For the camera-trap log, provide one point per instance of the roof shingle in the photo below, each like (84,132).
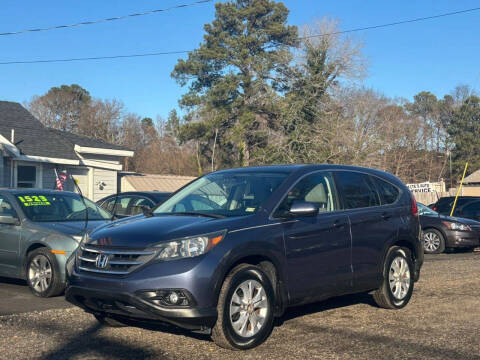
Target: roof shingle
(34,139)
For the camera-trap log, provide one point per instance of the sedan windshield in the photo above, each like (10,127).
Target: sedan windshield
(53,207)
(424,210)
(223,194)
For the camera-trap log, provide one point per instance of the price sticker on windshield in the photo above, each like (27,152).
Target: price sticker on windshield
(34,200)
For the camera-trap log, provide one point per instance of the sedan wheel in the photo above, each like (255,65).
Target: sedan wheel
(433,242)
(42,273)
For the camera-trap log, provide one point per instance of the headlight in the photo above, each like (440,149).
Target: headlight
(456,226)
(189,247)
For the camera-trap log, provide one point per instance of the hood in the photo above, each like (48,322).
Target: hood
(71,228)
(459,220)
(141,231)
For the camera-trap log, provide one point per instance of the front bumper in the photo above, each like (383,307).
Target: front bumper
(462,239)
(121,295)
(129,305)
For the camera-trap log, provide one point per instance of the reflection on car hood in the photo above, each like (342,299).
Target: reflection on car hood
(71,228)
(459,220)
(142,231)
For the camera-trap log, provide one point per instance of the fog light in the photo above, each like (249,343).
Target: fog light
(173,297)
(167,297)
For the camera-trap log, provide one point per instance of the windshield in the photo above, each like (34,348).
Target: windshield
(424,210)
(58,207)
(224,194)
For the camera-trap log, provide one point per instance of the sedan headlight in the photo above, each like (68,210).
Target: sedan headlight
(189,247)
(456,226)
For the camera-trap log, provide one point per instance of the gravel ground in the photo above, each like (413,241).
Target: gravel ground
(441,322)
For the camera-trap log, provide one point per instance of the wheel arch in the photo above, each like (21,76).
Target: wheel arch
(270,265)
(32,247)
(400,243)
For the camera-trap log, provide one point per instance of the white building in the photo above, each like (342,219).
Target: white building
(30,153)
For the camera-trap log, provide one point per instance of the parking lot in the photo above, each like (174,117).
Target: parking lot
(441,322)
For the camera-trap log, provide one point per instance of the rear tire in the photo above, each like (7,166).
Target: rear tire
(433,242)
(42,273)
(245,309)
(397,285)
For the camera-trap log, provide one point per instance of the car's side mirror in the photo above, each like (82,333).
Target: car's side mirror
(304,208)
(146,210)
(8,220)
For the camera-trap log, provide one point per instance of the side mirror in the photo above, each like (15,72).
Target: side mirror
(8,220)
(304,208)
(147,211)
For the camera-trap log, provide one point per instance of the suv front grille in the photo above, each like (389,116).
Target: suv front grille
(114,261)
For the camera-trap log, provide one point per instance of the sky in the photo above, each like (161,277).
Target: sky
(434,55)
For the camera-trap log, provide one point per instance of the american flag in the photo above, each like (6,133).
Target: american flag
(61,178)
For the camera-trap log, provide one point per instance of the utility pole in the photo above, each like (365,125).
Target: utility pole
(450,156)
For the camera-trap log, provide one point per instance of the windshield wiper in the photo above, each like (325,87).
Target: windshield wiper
(195,213)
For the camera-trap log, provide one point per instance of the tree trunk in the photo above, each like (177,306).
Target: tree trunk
(199,163)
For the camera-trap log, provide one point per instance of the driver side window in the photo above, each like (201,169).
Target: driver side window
(317,188)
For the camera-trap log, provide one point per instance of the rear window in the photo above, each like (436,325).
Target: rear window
(357,190)
(388,192)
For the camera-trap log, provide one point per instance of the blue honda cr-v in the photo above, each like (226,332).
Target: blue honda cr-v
(231,250)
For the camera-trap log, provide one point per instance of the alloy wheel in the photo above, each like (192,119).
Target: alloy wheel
(248,308)
(431,241)
(399,278)
(40,273)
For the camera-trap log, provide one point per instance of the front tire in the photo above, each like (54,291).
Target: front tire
(433,242)
(43,276)
(397,286)
(245,309)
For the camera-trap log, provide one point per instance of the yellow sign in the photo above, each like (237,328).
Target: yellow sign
(34,200)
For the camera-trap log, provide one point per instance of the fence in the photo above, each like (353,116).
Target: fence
(428,198)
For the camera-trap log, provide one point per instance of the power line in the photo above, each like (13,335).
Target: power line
(91,22)
(94,58)
(186,51)
(394,23)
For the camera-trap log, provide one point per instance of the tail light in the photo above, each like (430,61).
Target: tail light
(434,208)
(414,205)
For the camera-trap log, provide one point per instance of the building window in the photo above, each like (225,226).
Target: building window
(26,176)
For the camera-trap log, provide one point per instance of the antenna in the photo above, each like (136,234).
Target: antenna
(83,200)
(114,209)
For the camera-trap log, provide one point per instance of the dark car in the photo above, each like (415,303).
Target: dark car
(442,232)
(470,210)
(256,241)
(444,205)
(132,203)
(39,230)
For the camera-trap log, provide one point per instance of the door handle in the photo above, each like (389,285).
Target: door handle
(386,216)
(339,224)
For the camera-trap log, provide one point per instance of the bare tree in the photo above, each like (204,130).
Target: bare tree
(61,107)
